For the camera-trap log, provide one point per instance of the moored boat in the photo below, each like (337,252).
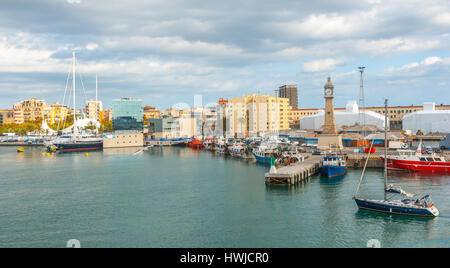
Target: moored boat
(416,161)
(196,144)
(264,154)
(75,142)
(239,150)
(334,166)
(423,207)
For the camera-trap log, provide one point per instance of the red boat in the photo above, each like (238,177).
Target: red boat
(416,161)
(196,144)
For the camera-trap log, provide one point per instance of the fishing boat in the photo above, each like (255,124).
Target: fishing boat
(76,142)
(412,207)
(417,161)
(221,146)
(239,150)
(264,154)
(196,144)
(334,166)
(209,144)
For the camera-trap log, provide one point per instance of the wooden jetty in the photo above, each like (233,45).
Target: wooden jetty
(296,173)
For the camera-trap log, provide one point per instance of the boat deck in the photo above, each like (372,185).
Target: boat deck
(296,173)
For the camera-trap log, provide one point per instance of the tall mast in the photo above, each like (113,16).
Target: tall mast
(74,94)
(385,149)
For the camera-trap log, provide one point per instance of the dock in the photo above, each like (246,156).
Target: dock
(296,173)
(21,144)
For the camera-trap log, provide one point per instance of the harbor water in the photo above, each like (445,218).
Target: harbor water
(178,197)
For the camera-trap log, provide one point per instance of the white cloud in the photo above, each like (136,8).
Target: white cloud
(322,65)
(92,46)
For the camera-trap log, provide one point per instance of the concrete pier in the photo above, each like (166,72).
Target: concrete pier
(294,174)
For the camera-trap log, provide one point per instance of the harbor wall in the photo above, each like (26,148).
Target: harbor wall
(123,140)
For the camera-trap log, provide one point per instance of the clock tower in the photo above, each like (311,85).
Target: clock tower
(330,125)
(329,139)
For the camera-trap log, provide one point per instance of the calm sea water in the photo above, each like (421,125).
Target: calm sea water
(175,197)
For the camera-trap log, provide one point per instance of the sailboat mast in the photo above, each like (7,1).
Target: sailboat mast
(385,149)
(74,94)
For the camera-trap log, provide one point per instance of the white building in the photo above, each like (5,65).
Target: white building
(93,109)
(429,120)
(349,117)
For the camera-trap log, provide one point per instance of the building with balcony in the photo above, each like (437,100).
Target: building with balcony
(28,111)
(94,109)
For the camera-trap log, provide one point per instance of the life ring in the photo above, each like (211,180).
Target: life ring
(405,146)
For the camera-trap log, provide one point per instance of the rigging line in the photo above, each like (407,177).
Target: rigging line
(70,99)
(82,84)
(64,98)
(364,170)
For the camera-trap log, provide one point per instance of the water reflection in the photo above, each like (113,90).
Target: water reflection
(120,151)
(288,190)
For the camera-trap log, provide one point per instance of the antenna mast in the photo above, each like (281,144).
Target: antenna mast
(362,105)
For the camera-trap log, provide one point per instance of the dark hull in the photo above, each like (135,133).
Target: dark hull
(80,147)
(262,159)
(333,171)
(392,209)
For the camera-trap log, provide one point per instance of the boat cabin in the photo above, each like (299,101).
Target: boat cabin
(334,161)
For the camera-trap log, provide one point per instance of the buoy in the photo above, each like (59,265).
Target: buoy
(20,150)
(48,154)
(87,154)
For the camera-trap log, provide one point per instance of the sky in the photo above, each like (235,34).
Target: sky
(165,52)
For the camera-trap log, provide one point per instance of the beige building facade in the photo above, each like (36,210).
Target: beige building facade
(56,112)
(94,110)
(6,117)
(28,111)
(123,140)
(256,115)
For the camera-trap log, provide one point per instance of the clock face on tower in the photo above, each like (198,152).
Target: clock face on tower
(328,92)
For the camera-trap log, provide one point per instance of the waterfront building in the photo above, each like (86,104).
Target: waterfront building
(28,111)
(128,115)
(429,120)
(6,117)
(290,92)
(395,113)
(128,124)
(256,115)
(172,112)
(93,110)
(123,140)
(295,115)
(56,112)
(347,117)
(152,112)
(105,116)
(18,117)
(164,128)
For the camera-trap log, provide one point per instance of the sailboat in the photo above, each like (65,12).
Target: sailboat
(76,142)
(409,206)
